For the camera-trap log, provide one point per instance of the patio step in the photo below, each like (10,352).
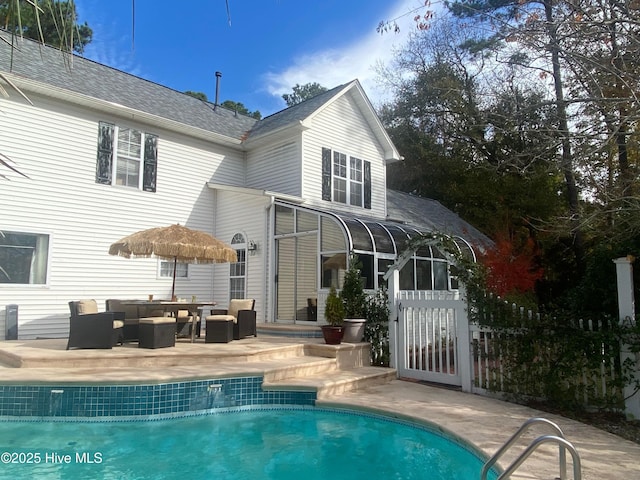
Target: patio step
(327,384)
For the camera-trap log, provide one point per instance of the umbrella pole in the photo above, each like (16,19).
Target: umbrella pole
(173,286)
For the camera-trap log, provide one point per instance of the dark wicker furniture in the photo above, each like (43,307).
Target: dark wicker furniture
(243,315)
(89,328)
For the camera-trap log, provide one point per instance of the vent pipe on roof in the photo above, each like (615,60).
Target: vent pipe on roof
(218,76)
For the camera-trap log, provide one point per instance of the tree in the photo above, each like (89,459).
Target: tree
(240,108)
(303,92)
(48,21)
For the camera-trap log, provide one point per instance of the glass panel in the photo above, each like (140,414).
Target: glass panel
(399,237)
(285,284)
(166,269)
(129,142)
(339,190)
(284,220)
(237,238)
(355,194)
(440,276)
(236,288)
(306,222)
(237,269)
(367,272)
(406,276)
(306,289)
(339,164)
(423,275)
(333,268)
(359,235)
(465,250)
(127,172)
(23,257)
(383,266)
(381,237)
(332,235)
(437,253)
(355,169)
(424,252)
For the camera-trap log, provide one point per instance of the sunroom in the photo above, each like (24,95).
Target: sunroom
(312,248)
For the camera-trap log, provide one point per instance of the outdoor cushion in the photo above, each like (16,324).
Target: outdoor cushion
(87,306)
(130,310)
(157,320)
(222,318)
(236,305)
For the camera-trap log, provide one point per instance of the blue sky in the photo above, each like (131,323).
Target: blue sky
(270,46)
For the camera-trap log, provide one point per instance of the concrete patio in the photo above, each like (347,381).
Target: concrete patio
(340,379)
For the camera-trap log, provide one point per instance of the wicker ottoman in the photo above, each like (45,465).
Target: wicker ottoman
(219,331)
(157,332)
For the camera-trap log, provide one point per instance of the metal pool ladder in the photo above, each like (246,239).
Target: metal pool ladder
(558,438)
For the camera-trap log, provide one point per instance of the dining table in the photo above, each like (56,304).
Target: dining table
(194,309)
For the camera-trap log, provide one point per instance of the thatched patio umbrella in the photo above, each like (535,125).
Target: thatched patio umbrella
(177,243)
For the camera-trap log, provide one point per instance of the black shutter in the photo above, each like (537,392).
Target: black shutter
(150,162)
(326,174)
(104,164)
(367,184)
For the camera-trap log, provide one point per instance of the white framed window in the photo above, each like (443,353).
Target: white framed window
(23,258)
(129,158)
(238,270)
(126,157)
(346,179)
(165,269)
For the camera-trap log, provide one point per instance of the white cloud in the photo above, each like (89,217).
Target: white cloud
(342,64)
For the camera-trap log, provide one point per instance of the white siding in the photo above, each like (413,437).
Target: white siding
(246,214)
(341,126)
(56,147)
(276,168)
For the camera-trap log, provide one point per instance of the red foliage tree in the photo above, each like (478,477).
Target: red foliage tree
(511,269)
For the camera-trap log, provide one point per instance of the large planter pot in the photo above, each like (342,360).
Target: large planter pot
(353,330)
(332,335)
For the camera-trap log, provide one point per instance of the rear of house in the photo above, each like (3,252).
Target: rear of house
(104,154)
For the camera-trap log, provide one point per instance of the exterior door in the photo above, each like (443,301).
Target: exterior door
(296,278)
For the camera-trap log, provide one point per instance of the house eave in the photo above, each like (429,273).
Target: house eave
(112,108)
(256,192)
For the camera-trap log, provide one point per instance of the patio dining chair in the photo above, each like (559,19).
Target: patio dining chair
(241,312)
(89,328)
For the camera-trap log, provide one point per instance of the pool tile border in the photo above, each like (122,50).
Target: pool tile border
(142,400)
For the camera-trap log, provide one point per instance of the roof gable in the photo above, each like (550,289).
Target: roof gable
(303,114)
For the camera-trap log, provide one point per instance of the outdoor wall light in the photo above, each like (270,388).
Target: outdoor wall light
(252,246)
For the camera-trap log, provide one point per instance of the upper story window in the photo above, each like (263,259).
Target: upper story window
(346,179)
(23,257)
(126,157)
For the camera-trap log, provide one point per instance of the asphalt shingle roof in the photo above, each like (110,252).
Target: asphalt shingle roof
(431,216)
(77,74)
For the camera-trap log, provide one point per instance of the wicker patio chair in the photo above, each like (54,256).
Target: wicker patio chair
(131,317)
(89,328)
(241,313)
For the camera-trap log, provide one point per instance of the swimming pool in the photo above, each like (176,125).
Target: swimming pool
(259,442)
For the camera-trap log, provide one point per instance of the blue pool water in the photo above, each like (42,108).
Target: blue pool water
(258,443)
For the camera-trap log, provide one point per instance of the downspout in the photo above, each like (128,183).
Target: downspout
(269,297)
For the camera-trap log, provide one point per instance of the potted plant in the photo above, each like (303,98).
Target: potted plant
(355,302)
(334,314)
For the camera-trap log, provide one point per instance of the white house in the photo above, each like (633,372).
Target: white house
(104,154)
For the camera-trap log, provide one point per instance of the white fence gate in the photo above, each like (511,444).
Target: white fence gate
(430,338)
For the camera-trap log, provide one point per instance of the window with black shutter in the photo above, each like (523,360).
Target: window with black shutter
(126,157)
(345,179)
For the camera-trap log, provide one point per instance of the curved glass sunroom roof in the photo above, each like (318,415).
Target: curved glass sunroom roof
(391,238)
